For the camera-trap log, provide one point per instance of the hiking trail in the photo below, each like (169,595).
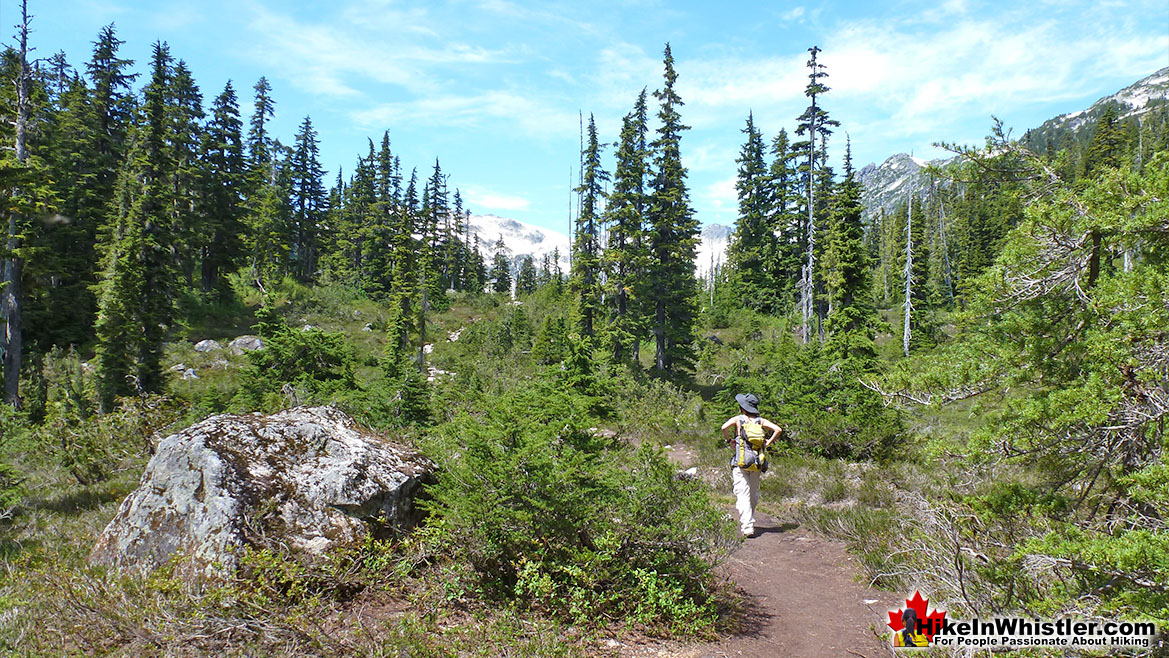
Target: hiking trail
(802,594)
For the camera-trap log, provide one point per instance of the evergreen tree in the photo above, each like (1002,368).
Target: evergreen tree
(500,274)
(1109,142)
(137,289)
(525,283)
(586,260)
(438,237)
(753,242)
(785,222)
(814,122)
(61,303)
(625,258)
(225,185)
(268,240)
(259,142)
(308,201)
(113,105)
(672,238)
(917,330)
(851,323)
(185,115)
(477,268)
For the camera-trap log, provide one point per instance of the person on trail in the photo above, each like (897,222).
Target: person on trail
(750,456)
(910,635)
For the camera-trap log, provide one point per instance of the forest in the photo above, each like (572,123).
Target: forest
(973,386)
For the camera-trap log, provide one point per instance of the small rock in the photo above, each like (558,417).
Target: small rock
(245,343)
(190,373)
(428,348)
(454,335)
(433,373)
(688,474)
(307,327)
(207,346)
(219,363)
(367,327)
(178,367)
(714,339)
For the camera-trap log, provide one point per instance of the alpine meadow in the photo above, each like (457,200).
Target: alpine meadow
(258,405)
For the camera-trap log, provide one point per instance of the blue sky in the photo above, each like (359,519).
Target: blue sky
(493,87)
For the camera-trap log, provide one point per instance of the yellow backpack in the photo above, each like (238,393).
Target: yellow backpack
(750,451)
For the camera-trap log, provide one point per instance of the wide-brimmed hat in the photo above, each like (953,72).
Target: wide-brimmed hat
(748,402)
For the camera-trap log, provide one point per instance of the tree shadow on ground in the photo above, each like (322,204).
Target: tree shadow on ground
(748,618)
(778,528)
(79,500)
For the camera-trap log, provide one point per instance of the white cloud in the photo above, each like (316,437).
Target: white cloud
(371,41)
(795,13)
(482,198)
(918,75)
(722,197)
(710,156)
(622,71)
(532,116)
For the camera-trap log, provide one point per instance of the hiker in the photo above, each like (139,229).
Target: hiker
(910,636)
(750,457)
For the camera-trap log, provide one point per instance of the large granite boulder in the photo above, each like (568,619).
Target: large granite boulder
(307,478)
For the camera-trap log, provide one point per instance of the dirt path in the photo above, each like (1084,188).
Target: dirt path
(803,598)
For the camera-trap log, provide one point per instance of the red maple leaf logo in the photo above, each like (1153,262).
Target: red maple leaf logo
(929,623)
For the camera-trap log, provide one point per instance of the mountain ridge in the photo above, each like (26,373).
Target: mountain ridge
(887,185)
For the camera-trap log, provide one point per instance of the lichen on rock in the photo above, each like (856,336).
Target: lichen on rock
(307,478)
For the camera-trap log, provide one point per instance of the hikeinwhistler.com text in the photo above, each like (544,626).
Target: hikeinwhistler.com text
(1021,632)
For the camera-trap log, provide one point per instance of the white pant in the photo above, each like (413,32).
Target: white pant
(746,488)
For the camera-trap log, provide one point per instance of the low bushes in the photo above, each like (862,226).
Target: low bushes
(551,516)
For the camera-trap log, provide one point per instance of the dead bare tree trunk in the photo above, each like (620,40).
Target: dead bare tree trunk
(908,276)
(807,302)
(10,300)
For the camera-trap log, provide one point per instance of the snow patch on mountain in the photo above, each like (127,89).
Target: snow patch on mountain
(519,239)
(893,182)
(1138,98)
(712,249)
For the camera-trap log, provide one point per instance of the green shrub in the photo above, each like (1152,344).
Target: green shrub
(820,402)
(90,447)
(12,432)
(550,515)
(311,361)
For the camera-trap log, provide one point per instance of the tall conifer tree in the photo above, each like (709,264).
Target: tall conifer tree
(625,258)
(851,324)
(814,123)
(672,238)
(308,201)
(137,291)
(225,184)
(752,243)
(785,222)
(586,261)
